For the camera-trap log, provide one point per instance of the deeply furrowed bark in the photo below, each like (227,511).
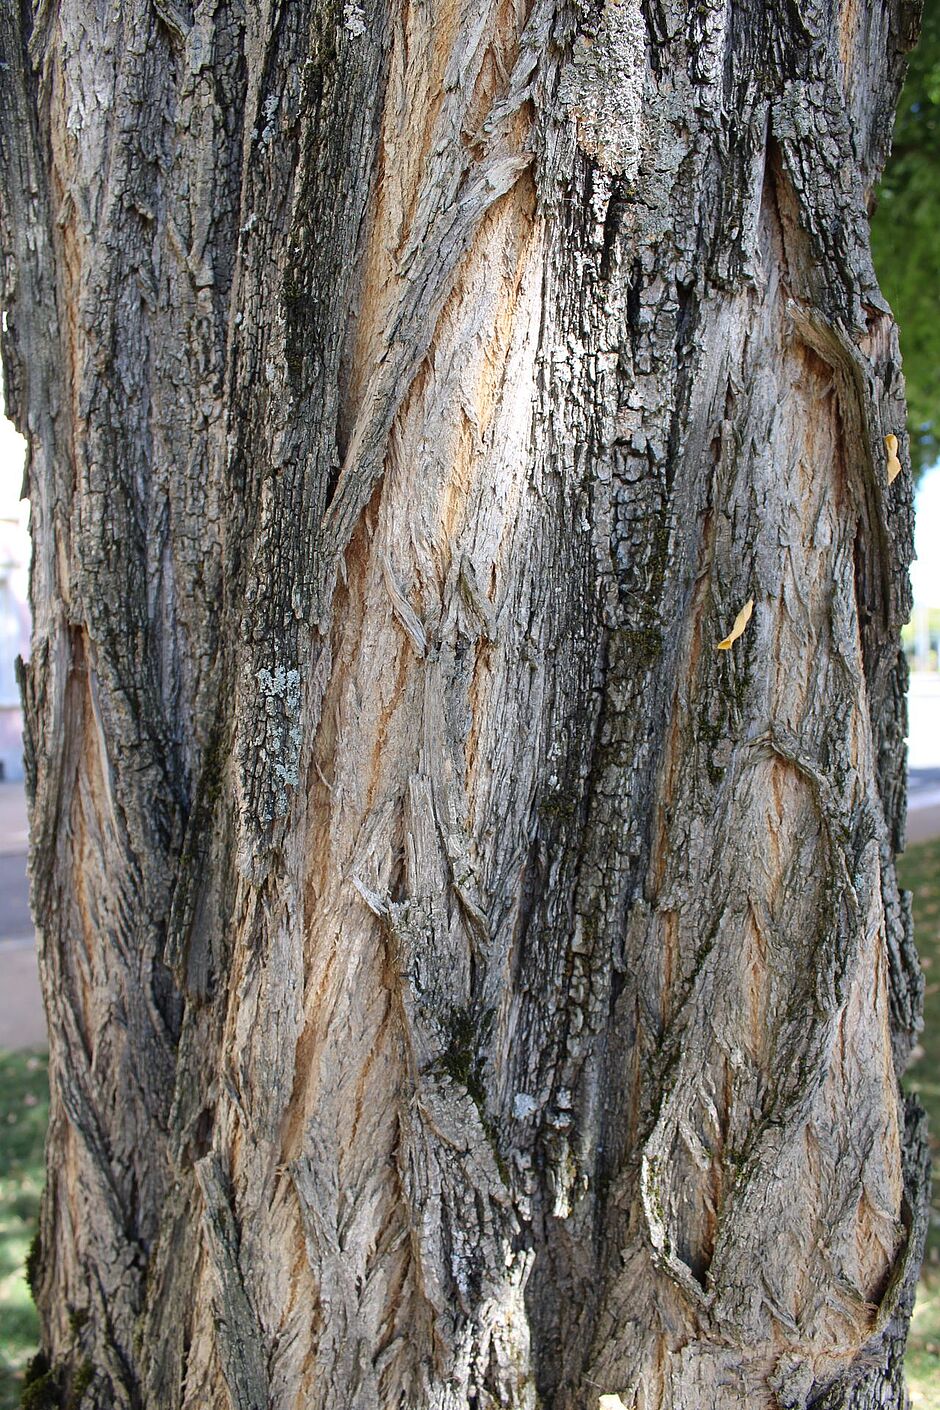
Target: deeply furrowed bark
(467,987)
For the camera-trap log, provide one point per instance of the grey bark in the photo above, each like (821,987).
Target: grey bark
(467,986)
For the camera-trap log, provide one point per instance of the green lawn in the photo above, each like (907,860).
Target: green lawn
(24,1109)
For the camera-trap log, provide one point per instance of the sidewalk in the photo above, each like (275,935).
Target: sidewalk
(923,805)
(22,1024)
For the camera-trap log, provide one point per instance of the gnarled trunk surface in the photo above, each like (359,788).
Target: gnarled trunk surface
(467,986)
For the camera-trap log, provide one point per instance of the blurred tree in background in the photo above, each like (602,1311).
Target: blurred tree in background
(906,238)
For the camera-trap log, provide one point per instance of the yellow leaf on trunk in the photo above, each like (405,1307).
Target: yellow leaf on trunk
(740,622)
(894,464)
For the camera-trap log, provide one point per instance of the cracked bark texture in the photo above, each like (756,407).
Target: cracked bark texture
(466,986)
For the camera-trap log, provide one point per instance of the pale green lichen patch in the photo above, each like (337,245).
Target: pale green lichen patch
(280,690)
(602,87)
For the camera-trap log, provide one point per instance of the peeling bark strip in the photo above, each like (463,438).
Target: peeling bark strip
(467,986)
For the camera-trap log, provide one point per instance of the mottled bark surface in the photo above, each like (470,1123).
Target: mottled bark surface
(467,986)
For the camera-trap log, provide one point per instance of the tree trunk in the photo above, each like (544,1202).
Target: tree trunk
(467,986)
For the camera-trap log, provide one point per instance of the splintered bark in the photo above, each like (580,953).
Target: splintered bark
(467,986)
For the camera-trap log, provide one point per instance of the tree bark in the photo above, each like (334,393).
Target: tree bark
(467,986)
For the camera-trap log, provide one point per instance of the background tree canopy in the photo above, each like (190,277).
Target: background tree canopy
(906,238)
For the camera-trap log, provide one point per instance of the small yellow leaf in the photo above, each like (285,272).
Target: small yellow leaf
(610,1402)
(894,464)
(740,622)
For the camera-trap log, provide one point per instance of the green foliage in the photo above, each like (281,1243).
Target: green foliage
(905,235)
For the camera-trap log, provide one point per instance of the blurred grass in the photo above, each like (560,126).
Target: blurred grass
(24,1111)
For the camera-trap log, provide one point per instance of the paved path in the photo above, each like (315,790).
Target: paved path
(923,805)
(22,1024)
(21,1018)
